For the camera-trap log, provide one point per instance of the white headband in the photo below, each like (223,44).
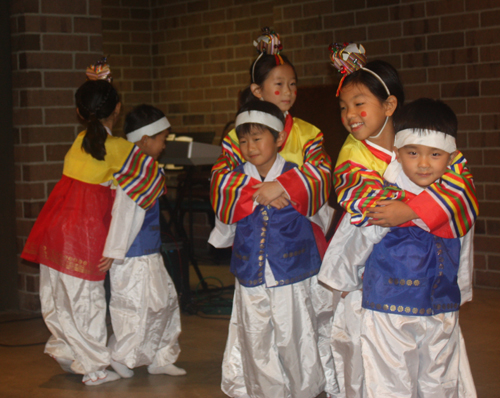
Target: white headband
(261,118)
(149,130)
(430,138)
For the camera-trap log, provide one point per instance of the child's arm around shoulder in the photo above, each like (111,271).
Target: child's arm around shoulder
(308,186)
(358,180)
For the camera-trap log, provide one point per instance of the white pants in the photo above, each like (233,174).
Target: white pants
(74,311)
(346,345)
(272,346)
(412,356)
(144,312)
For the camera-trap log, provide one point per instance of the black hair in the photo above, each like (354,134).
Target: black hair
(387,73)
(263,106)
(96,100)
(427,114)
(261,68)
(141,116)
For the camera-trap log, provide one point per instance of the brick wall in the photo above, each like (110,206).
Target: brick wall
(52,43)
(190,58)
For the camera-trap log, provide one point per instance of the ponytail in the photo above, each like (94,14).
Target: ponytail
(96,100)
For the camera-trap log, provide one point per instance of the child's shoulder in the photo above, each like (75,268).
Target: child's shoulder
(304,126)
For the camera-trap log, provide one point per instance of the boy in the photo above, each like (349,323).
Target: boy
(272,347)
(144,307)
(414,282)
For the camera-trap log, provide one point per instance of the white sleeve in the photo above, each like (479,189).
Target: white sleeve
(323,217)
(126,222)
(347,253)
(466,266)
(222,235)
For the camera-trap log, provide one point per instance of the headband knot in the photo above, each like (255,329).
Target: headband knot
(100,71)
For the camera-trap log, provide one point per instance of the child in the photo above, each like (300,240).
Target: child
(414,282)
(370,95)
(307,187)
(272,347)
(144,307)
(273,79)
(69,235)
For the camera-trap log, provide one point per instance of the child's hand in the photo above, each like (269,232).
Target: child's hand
(105,264)
(280,203)
(390,213)
(267,192)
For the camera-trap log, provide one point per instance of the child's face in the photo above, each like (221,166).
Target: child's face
(423,164)
(260,148)
(153,146)
(362,113)
(280,87)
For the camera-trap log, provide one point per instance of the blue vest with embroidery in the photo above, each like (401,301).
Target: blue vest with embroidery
(148,240)
(412,272)
(284,237)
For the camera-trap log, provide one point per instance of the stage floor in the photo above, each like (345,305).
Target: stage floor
(26,372)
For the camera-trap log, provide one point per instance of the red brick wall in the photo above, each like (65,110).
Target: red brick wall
(52,43)
(190,58)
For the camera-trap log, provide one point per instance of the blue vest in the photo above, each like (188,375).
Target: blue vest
(284,237)
(148,240)
(412,272)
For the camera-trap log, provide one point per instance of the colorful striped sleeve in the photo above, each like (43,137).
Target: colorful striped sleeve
(141,178)
(358,188)
(230,191)
(309,185)
(453,200)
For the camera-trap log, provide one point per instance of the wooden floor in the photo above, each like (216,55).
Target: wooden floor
(26,372)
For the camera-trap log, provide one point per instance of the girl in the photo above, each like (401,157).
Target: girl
(369,95)
(273,79)
(272,347)
(69,234)
(144,307)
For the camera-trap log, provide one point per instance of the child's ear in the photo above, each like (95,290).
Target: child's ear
(396,151)
(256,90)
(452,156)
(390,105)
(281,138)
(144,140)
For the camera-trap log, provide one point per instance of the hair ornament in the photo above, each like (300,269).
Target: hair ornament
(268,43)
(100,71)
(349,58)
